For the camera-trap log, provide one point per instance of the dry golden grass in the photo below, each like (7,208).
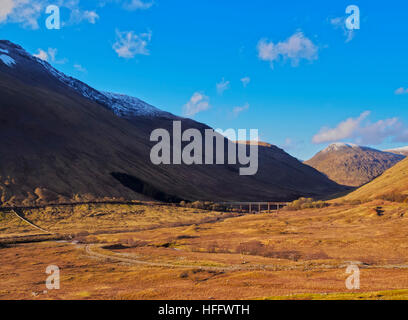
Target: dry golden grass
(394,180)
(104,218)
(178,253)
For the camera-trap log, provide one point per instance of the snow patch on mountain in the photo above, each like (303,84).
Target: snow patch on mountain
(122,105)
(399,149)
(351,146)
(4,51)
(340,145)
(75,84)
(7,60)
(126,106)
(402,151)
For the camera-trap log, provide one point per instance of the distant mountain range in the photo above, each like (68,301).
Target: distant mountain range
(352,165)
(64,141)
(403,151)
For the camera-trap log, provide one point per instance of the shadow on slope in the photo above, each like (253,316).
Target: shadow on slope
(142,187)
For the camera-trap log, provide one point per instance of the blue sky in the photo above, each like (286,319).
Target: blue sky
(309,80)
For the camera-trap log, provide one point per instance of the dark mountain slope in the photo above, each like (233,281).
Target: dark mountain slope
(63,141)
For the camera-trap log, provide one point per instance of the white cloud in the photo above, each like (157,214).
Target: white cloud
(197,103)
(78,16)
(295,48)
(138,5)
(237,110)
(344,130)
(28,12)
(50,55)
(222,86)
(363,132)
(128,44)
(79,68)
(340,23)
(402,136)
(377,132)
(401,90)
(245,81)
(24,12)
(130,5)
(6,8)
(52,52)
(41,55)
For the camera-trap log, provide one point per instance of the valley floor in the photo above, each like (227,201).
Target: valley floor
(151,251)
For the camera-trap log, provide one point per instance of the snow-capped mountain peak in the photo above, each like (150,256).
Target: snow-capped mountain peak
(339,146)
(342,146)
(122,105)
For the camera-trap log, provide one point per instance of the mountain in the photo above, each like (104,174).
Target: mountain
(352,165)
(391,185)
(403,151)
(62,140)
(127,107)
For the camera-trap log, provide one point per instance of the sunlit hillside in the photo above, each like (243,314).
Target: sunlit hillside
(391,185)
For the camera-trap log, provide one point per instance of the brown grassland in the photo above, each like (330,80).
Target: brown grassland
(153,251)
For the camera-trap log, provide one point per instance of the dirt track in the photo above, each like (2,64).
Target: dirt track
(118,257)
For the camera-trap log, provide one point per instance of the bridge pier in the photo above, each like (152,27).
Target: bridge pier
(249,206)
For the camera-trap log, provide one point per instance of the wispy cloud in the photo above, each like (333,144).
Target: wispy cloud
(295,48)
(362,131)
(22,12)
(222,86)
(401,90)
(197,103)
(28,12)
(237,110)
(41,55)
(6,8)
(375,133)
(78,16)
(138,5)
(245,81)
(291,144)
(50,55)
(344,130)
(79,68)
(128,44)
(52,52)
(340,23)
(129,5)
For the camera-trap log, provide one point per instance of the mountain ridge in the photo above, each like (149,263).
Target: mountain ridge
(403,151)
